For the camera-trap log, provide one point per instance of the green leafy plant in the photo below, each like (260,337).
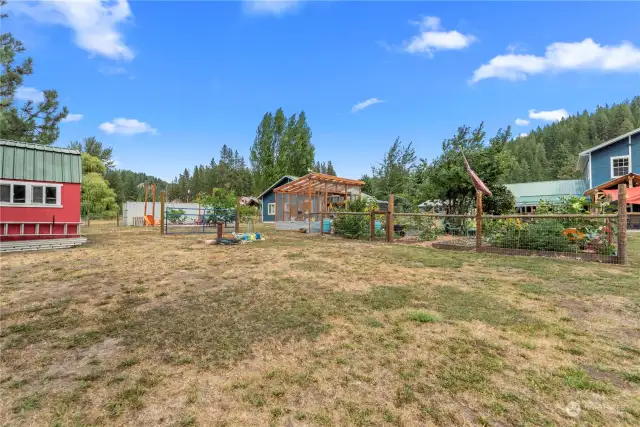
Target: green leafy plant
(175,216)
(352,226)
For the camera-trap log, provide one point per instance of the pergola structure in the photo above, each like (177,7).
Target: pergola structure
(597,193)
(309,195)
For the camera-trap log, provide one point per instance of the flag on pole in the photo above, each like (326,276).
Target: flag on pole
(477,182)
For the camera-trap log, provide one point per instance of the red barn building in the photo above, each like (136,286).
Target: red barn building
(39,191)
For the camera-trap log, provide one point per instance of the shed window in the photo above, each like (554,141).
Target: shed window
(19,193)
(51,194)
(271,209)
(36,195)
(619,166)
(5,193)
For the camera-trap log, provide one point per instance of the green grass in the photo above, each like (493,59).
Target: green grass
(423,317)
(578,379)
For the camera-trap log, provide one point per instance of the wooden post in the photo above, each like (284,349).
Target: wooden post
(237,214)
(372,224)
(390,218)
(153,204)
(289,203)
(117,218)
(162,211)
(622,224)
(310,205)
(346,195)
(478,220)
(145,200)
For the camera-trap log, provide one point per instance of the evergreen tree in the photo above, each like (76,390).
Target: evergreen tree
(93,147)
(330,169)
(29,121)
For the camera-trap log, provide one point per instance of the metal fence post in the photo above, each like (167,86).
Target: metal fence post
(478,220)
(622,224)
(390,218)
(162,213)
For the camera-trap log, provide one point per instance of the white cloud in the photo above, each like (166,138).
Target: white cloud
(558,57)
(32,94)
(522,122)
(270,7)
(124,126)
(433,37)
(73,118)
(522,135)
(94,22)
(549,116)
(364,104)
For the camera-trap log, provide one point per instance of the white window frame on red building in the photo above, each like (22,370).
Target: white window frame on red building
(29,194)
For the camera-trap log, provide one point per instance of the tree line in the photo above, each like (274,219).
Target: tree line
(551,152)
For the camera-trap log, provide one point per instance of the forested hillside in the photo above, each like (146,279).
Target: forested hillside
(230,172)
(552,152)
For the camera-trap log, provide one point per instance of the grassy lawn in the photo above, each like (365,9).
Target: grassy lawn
(135,329)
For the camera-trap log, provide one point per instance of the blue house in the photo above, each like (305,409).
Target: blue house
(611,160)
(268,198)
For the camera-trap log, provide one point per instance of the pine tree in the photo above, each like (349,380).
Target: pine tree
(30,121)
(330,169)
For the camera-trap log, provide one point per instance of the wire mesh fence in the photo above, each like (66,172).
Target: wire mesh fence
(589,237)
(355,225)
(456,230)
(199,220)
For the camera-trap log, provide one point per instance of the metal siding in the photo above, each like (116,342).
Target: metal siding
(29,163)
(38,166)
(7,170)
(66,168)
(18,164)
(76,169)
(57,168)
(48,166)
(20,160)
(601,166)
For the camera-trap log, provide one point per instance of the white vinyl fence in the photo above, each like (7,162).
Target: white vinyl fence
(133,212)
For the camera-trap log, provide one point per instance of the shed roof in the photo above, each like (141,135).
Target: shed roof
(530,193)
(275,184)
(36,162)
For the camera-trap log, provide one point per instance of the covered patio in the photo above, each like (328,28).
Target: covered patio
(609,190)
(300,202)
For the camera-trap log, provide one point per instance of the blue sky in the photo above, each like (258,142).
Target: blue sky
(167,83)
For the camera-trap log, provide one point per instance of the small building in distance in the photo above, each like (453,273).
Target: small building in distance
(529,194)
(39,191)
(268,198)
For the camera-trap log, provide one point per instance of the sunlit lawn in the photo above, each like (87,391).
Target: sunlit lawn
(136,329)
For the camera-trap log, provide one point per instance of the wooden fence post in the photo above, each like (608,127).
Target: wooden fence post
(622,224)
(237,228)
(390,218)
(162,211)
(372,224)
(478,220)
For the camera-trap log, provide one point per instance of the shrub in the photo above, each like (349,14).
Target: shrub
(174,216)
(353,226)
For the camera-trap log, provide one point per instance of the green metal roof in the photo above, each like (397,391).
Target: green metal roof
(530,193)
(36,162)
